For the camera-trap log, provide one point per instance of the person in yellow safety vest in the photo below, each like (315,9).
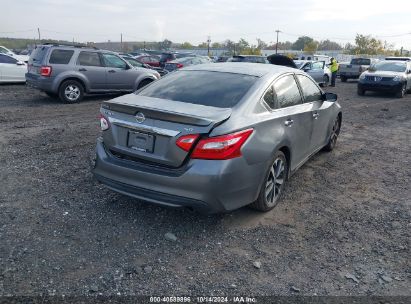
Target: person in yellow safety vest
(334,68)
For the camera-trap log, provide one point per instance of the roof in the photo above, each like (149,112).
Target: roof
(245,68)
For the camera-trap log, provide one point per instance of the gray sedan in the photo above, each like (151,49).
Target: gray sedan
(215,137)
(318,70)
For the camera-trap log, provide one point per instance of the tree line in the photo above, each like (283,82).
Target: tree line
(364,44)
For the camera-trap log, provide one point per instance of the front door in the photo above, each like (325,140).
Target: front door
(320,111)
(293,117)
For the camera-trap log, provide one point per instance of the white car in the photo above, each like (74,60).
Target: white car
(6,51)
(11,69)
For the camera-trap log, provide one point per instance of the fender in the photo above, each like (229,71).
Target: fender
(70,74)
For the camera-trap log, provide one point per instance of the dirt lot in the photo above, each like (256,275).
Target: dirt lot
(343,227)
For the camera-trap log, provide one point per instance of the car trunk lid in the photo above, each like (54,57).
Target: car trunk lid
(146,129)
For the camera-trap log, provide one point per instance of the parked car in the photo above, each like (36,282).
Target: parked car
(6,51)
(248,58)
(137,53)
(386,76)
(72,71)
(318,70)
(183,62)
(354,69)
(151,60)
(222,58)
(138,64)
(215,137)
(11,69)
(316,57)
(398,58)
(170,56)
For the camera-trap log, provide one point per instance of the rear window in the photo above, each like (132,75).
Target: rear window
(215,89)
(61,56)
(165,57)
(361,61)
(38,53)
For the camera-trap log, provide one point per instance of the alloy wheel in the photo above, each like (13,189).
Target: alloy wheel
(334,132)
(275,181)
(72,92)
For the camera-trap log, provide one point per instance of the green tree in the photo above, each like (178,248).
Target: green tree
(186,45)
(368,45)
(203,45)
(301,42)
(311,47)
(216,45)
(328,45)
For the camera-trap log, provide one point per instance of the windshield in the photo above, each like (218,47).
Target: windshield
(389,67)
(216,89)
(361,61)
(133,62)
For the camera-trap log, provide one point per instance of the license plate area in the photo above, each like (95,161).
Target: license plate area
(142,142)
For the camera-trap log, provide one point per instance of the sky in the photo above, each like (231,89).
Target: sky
(195,20)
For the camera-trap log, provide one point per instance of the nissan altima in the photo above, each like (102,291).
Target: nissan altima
(215,137)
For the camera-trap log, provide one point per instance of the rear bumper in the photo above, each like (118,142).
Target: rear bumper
(204,185)
(389,86)
(351,75)
(39,82)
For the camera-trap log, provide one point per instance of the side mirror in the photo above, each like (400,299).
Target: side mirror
(20,63)
(330,97)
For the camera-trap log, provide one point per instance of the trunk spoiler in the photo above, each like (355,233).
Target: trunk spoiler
(168,110)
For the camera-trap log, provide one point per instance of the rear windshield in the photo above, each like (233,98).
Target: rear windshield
(166,56)
(389,66)
(361,61)
(215,89)
(61,56)
(38,53)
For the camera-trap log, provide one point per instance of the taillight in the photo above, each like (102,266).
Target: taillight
(179,65)
(186,142)
(104,123)
(221,147)
(45,71)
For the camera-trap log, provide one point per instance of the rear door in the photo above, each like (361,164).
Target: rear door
(320,112)
(294,117)
(119,75)
(89,64)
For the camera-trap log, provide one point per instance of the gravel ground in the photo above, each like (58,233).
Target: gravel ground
(342,228)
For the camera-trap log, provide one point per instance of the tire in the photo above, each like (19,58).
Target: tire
(335,131)
(360,92)
(326,81)
(275,179)
(402,92)
(143,83)
(71,91)
(343,79)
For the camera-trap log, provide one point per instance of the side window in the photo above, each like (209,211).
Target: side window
(310,90)
(113,61)
(7,59)
(89,59)
(318,65)
(61,56)
(145,59)
(269,98)
(287,92)
(153,59)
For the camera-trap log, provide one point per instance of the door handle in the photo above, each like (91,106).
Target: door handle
(289,122)
(111,71)
(82,70)
(315,115)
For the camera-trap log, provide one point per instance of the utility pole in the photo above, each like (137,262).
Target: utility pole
(276,45)
(401,50)
(38,31)
(208,45)
(144,43)
(121,42)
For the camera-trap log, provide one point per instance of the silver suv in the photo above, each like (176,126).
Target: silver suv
(72,71)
